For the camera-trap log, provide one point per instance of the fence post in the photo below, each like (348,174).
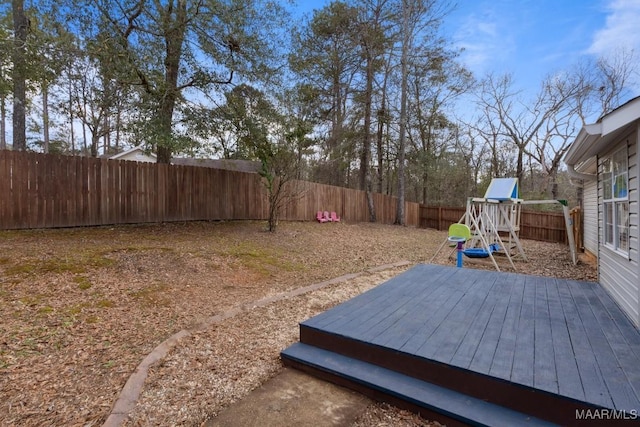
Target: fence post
(576,218)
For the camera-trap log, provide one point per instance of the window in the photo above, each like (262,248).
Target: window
(615,192)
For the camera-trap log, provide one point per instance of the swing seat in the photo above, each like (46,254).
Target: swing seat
(481,252)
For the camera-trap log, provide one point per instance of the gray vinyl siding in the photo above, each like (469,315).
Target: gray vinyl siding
(620,273)
(590,216)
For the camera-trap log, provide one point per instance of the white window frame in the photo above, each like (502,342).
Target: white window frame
(615,192)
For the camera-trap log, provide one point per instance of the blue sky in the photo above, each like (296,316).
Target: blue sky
(534,38)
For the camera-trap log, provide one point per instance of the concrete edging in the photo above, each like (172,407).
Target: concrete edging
(133,387)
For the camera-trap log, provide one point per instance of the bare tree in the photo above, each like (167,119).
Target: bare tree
(489,133)
(551,142)
(612,76)
(91,104)
(278,172)
(526,123)
(541,128)
(475,153)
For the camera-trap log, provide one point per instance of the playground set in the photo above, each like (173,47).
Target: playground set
(491,225)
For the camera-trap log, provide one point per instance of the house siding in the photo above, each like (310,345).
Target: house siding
(620,273)
(590,217)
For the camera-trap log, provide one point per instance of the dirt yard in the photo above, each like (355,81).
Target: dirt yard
(81,308)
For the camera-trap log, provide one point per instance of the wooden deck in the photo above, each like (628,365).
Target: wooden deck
(548,348)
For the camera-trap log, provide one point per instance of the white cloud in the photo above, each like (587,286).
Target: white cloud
(620,30)
(487,29)
(485,41)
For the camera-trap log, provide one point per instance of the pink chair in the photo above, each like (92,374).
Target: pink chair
(335,217)
(326,216)
(320,217)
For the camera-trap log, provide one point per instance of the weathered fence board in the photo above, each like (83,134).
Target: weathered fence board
(546,226)
(534,225)
(439,217)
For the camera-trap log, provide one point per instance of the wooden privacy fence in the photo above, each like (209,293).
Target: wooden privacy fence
(46,191)
(544,226)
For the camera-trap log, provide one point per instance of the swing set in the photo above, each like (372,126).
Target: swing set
(491,224)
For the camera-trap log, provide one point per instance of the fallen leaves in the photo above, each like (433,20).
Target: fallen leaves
(81,308)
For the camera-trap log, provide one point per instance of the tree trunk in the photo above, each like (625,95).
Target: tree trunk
(370,204)
(20,25)
(165,118)
(84,139)
(520,164)
(106,142)
(174,37)
(365,155)
(95,140)
(118,124)
(72,135)
(274,201)
(382,114)
(552,185)
(3,126)
(366,149)
(425,188)
(45,118)
(400,217)
(495,163)
(337,177)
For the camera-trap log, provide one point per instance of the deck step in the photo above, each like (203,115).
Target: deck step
(363,377)
(501,392)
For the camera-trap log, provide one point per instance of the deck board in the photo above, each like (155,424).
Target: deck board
(399,302)
(569,383)
(627,334)
(626,328)
(622,349)
(446,338)
(502,363)
(591,378)
(486,351)
(398,334)
(467,349)
(457,290)
(559,336)
(354,307)
(399,305)
(614,377)
(545,376)
(523,358)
